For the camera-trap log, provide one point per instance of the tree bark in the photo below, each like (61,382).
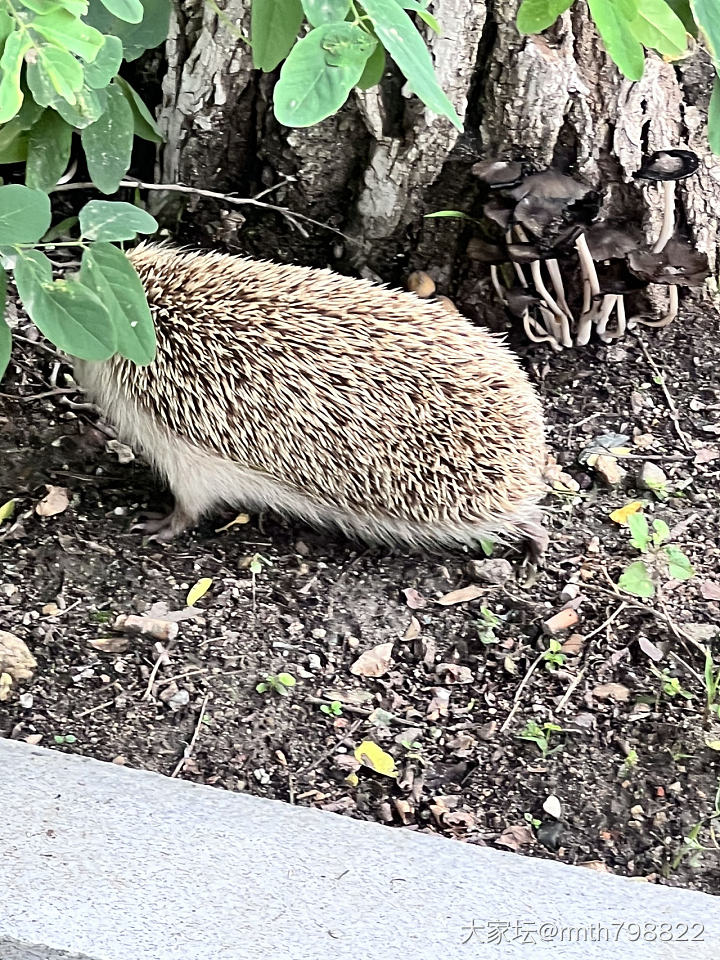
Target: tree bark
(383,161)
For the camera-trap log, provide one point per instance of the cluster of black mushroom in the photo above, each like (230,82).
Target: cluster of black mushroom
(545,233)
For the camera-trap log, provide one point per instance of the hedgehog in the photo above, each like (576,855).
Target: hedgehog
(332,400)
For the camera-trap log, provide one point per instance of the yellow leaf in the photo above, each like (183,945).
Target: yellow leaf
(622,513)
(239,519)
(198,591)
(7,510)
(373,756)
(352,779)
(713,744)
(620,451)
(5,685)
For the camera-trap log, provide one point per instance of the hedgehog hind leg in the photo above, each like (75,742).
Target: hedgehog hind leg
(166,526)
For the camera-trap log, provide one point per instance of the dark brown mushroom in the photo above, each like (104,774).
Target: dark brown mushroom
(667,166)
(500,174)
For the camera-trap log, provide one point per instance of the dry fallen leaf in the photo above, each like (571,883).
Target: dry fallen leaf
(414,599)
(649,649)
(573,645)
(55,501)
(240,519)
(413,629)
(611,691)
(146,626)
(374,662)
(516,836)
(707,454)
(710,590)
(7,510)
(370,755)
(622,513)
(462,596)
(198,591)
(438,706)
(452,673)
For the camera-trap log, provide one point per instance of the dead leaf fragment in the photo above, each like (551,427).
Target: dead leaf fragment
(463,595)
(240,519)
(622,513)
(452,673)
(55,501)
(573,645)
(710,590)
(7,510)
(374,662)
(516,836)
(611,691)
(414,599)
(370,755)
(413,629)
(438,706)
(198,591)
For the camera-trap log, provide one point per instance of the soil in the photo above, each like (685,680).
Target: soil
(632,774)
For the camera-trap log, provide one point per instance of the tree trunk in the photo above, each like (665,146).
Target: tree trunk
(383,161)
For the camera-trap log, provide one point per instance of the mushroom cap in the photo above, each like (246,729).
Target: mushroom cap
(551,185)
(498,174)
(672,164)
(608,241)
(678,263)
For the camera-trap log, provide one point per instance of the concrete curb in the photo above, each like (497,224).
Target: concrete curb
(98,862)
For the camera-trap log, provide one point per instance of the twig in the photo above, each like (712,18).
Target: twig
(163,657)
(100,706)
(187,752)
(674,414)
(214,195)
(571,689)
(518,692)
(606,623)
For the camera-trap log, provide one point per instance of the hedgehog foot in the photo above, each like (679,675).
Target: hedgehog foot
(536,542)
(163,527)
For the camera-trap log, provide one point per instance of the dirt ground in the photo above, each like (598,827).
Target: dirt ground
(630,782)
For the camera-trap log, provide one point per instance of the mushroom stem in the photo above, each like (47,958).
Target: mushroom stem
(558,323)
(591,288)
(621,319)
(518,269)
(604,314)
(672,312)
(668,224)
(553,269)
(495,278)
(545,336)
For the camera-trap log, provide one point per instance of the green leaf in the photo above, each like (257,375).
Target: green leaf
(402,41)
(287,679)
(136,38)
(13,142)
(662,532)
(658,28)
(7,25)
(48,151)
(707,17)
(144,122)
(714,118)
(106,64)
(109,274)
(274,26)
(5,335)
(679,566)
(108,142)
(89,106)
(69,33)
(11,95)
(683,11)
(320,72)
(131,11)
(636,580)
(613,22)
(448,213)
(318,12)
(114,220)
(534,16)
(54,75)
(42,6)
(24,214)
(639,530)
(374,69)
(65,311)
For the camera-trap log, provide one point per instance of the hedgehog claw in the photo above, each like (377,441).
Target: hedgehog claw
(162,527)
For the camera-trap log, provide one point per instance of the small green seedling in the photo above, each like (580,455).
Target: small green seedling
(670,685)
(279,683)
(553,657)
(541,736)
(629,763)
(332,709)
(664,560)
(712,685)
(67,738)
(487,547)
(486,626)
(413,750)
(533,821)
